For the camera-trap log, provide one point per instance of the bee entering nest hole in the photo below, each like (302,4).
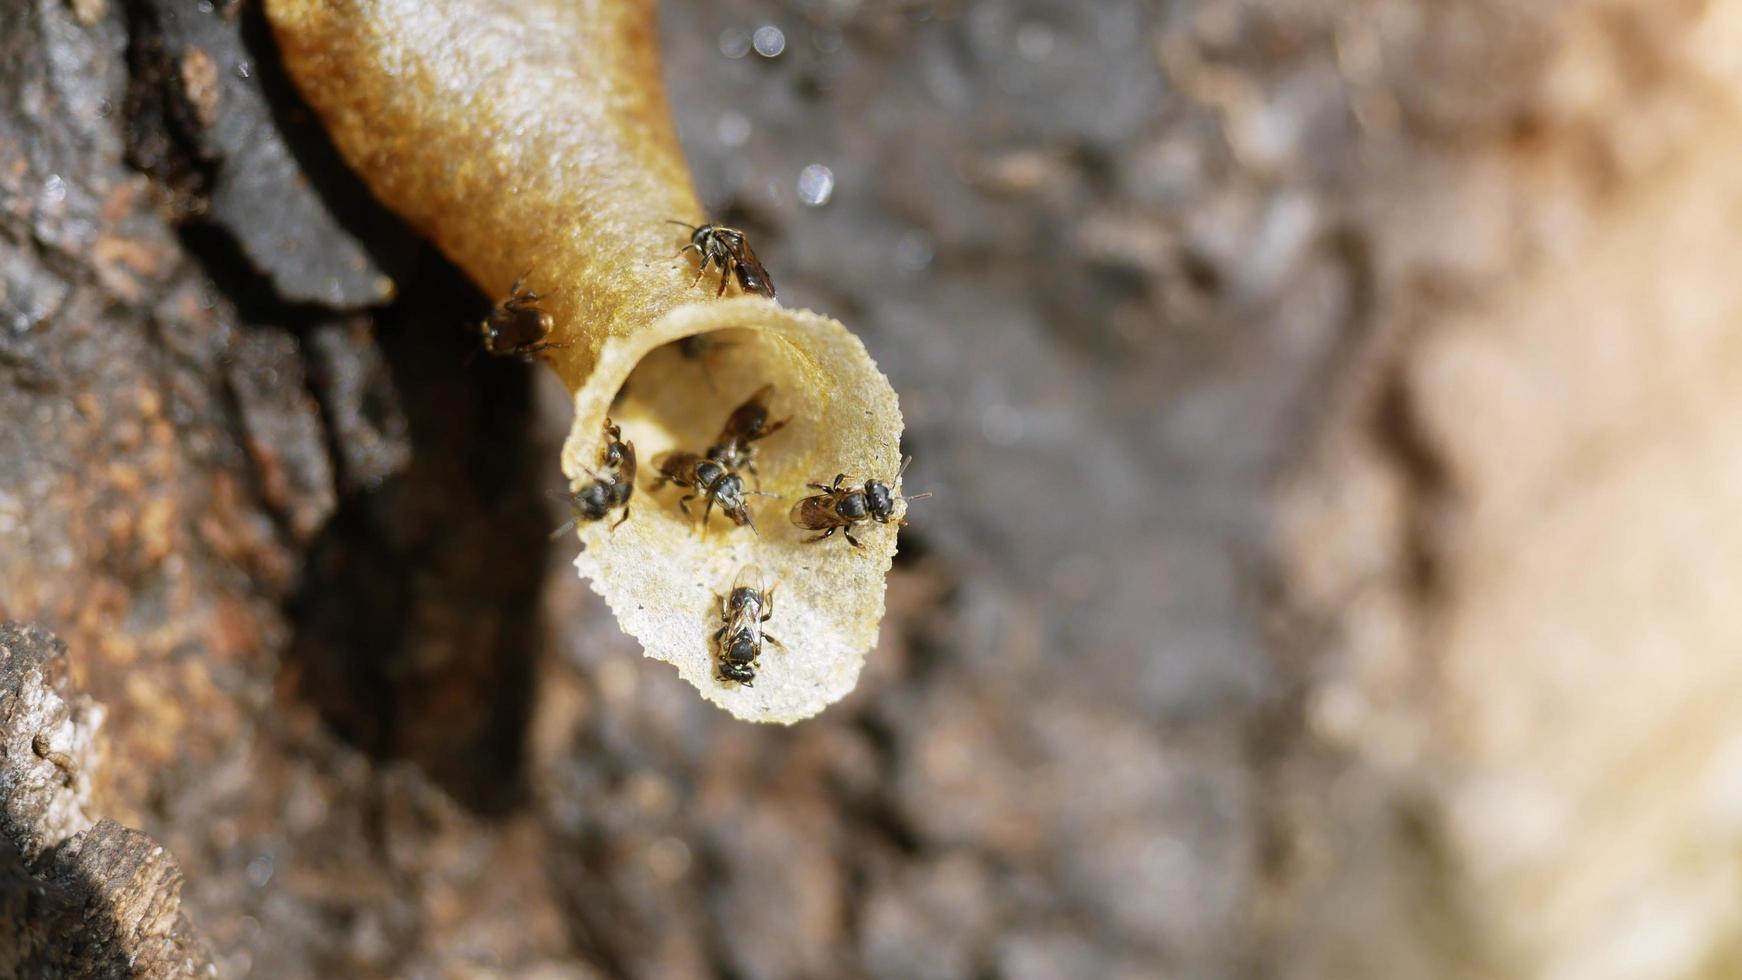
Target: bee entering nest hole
(681,393)
(671,389)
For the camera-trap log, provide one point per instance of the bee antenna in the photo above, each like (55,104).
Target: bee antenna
(906,461)
(759,493)
(557,534)
(674,221)
(917,496)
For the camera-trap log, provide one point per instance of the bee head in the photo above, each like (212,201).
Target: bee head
(591,501)
(879,500)
(742,673)
(728,490)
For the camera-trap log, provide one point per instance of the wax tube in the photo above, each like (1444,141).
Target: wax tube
(533,136)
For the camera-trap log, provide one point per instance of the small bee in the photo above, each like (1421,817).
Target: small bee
(709,479)
(702,346)
(610,488)
(516,327)
(728,249)
(702,349)
(740,640)
(747,423)
(842,508)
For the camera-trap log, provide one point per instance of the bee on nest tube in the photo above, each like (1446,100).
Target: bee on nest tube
(611,486)
(740,640)
(747,424)
(728,249)
(516,326)
(842,508)
(710,479)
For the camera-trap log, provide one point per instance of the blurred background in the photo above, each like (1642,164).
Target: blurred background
(1332,571)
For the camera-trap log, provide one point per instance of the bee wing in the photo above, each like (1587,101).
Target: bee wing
(747,261)
(749,577)
(815,512)
(746,421)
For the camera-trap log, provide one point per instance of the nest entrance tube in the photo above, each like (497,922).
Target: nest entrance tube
(533,136)
(662,576)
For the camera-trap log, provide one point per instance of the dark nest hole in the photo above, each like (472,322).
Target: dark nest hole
(417,616)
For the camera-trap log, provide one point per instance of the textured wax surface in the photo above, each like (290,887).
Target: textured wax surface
(516,135)
(535,136)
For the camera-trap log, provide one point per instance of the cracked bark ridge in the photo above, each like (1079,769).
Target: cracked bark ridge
(206,117)
(78,897)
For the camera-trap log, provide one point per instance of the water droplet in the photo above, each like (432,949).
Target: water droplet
(913,252)
(769,41)
(816,184)
(734,43)
(733,129)
(259,871)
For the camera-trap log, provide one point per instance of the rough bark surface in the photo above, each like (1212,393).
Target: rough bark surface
(1135,712)
(81,897)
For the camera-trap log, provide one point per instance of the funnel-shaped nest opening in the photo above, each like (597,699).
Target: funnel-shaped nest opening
(663,576)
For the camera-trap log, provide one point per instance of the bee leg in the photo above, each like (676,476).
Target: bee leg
(620,520)
(824,487)
(850,539)
(700,273)
(707,512)
(837,484)
(530,354)
(683,504)
(723,271)
(821,536)
(771,639)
